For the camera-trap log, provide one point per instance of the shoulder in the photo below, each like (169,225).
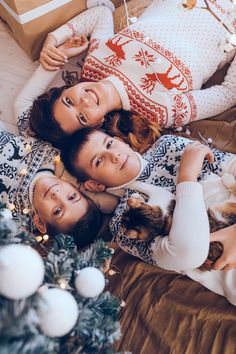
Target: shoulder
(164,144)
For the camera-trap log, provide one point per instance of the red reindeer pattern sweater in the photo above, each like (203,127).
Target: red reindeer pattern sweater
(159,63)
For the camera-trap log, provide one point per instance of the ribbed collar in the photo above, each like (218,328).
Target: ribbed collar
(119,190)
(121,90)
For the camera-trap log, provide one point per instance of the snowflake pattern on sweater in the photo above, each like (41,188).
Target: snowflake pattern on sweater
(21,159)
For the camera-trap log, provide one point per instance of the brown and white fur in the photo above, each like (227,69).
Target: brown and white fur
(145,221)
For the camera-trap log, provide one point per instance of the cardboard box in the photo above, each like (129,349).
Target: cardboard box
(29,21)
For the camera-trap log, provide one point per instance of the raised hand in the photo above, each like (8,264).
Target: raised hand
(51,58)
(192,160)
(74,46)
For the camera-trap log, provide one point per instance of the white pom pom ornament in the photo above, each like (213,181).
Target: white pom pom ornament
(90,282)
(21,271)
(58,313)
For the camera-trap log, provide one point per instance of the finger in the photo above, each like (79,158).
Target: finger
(210,157)
(54,55)
(84,39)
(51,62)
(58,53)
(227,268)
(48,67)
(220,264)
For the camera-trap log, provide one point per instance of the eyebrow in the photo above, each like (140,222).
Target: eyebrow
(103,143)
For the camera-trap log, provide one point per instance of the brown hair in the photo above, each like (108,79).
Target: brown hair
(132,128)
(136,130)
(42,121)
(85,230)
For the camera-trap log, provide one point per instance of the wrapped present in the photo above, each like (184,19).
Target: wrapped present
(29,21)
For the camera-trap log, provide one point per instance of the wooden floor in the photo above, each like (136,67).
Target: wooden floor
(15,69)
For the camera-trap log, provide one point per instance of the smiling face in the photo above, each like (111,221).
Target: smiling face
(57,203)
(85,105)
(108,160)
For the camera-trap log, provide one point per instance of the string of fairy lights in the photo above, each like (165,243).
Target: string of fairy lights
(188,5)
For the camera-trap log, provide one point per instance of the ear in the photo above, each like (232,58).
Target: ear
(40,224)
(94,186)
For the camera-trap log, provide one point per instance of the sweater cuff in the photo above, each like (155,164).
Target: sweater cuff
(188,189)
(62,34)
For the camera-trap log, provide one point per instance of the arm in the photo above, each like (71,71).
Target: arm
(34,87)
(205,103)
(187,245)
(96,22)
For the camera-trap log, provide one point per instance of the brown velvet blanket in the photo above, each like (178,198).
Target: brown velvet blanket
(166,312)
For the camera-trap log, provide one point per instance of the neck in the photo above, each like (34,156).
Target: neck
(113,97)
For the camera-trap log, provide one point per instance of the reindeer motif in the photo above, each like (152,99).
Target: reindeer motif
(149,82)
(116,46)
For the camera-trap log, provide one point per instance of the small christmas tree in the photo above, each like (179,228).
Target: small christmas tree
(55,304)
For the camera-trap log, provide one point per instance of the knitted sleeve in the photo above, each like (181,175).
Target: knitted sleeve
(205,103)
(34,87)
(96,22)
(187,245)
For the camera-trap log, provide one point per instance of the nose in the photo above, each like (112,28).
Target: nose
(55,193)
(115,156)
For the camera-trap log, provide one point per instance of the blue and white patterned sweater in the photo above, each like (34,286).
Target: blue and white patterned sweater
(163,160)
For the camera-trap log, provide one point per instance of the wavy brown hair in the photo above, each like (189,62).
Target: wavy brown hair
(134,129)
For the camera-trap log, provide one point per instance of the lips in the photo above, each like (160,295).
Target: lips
(124,164)
(93,96)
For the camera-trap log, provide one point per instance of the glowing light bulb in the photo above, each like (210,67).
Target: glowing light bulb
(11,206)
(38,238)
(45,237)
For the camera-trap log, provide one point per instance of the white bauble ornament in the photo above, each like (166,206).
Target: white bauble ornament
(21,271)
(90,282)
(58,313)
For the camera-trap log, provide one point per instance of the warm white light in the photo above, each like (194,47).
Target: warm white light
(45,237)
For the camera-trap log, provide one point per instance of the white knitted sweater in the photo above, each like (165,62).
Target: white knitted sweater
(163,59)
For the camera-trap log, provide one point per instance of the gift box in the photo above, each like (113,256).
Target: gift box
(29,21)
